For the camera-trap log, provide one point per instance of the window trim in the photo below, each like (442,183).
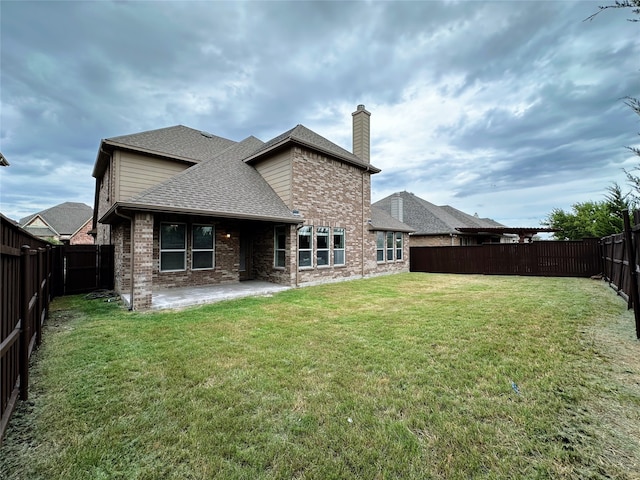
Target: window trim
(212,249)
(276,249)
(308,228)
(380,234)
(173,250)
(343,234)
(326,233)
(399,248)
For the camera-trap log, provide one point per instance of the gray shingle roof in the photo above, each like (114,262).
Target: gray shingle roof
(302,135)
(381,220)
(177,141)
(66,218)
(223,186)
(429,219)
(40,231)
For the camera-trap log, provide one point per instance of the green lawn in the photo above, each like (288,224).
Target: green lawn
(404,376)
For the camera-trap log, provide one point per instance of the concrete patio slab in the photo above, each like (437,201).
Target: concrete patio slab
(181,297)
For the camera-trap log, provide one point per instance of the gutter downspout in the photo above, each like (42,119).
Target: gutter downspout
(132,226)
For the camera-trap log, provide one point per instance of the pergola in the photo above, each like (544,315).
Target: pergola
(525,234)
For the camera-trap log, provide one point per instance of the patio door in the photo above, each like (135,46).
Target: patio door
(246,256)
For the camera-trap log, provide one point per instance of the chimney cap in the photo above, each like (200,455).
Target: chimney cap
(360,109)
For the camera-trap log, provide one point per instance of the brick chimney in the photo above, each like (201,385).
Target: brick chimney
(361,137)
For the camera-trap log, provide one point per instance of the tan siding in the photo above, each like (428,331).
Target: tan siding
(138,172)
(277,172)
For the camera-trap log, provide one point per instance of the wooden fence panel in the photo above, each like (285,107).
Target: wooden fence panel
(25,276)
(87,268)
(551,259)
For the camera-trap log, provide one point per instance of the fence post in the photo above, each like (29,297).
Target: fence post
(633,270)
(40,299)
(47,287)
(25,327)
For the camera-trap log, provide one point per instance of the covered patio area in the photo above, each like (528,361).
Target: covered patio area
(181,297)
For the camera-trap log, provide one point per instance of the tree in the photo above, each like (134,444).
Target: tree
(591,219)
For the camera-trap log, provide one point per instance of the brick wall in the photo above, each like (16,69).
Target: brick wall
(329,193)
(226,255)
(142,261)
(434,241)
(82,236)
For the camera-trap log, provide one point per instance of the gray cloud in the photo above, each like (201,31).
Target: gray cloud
(470,100)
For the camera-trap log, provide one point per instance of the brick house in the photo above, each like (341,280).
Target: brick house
(439,226)
(68,223)
(187,208)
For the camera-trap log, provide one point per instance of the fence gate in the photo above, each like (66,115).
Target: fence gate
(84,268)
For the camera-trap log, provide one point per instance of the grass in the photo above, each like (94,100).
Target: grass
(405,376)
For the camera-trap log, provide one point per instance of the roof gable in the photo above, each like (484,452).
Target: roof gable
(303,136)
(223,186)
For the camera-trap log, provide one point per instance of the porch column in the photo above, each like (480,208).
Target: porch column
(142,240)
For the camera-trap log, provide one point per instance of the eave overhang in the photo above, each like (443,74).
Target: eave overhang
(127,208)
(294,141)
(108,146)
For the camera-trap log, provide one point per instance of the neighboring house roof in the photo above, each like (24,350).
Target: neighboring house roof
(381,220)
(179,142)
(429,219)
(223,186)
(64,219)
(41,232)
(308,138)
(470,220)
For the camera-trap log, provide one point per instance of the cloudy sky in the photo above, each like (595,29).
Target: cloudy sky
(505,109)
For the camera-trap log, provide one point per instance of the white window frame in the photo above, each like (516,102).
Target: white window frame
(380,235)
(212,249)
(339,231)
(173,250)
(399,245)
(283,248)
(323,232)
(390,245)
(306,228)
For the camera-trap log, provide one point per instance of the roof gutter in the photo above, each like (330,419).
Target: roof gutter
(203,213)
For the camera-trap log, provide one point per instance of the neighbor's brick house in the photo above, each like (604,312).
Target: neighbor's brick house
(443,226)
(68,223)
(184,207)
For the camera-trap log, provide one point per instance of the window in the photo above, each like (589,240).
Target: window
(380,246)
(173,247)
(322,250)
(338,246)
(203,241)
(279,247)
(305,246)
(398,245)
(390,240)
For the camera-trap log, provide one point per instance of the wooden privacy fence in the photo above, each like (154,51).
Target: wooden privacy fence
(25,285)
(546,258)
(620,253)
(82,268)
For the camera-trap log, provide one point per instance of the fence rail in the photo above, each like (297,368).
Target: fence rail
(621,253)
(25,286)
(551,259)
